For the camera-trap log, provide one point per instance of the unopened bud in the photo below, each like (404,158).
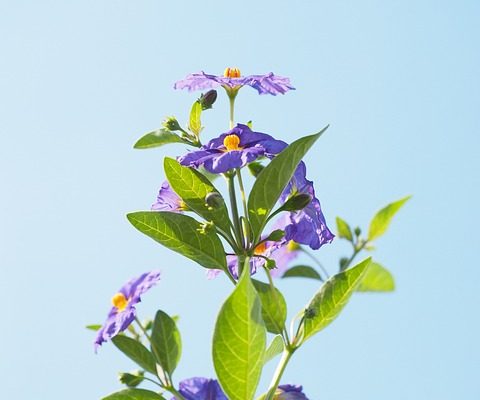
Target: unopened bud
(297,202)
(206,100)
(255,168)
(214,200)
(357,231)
(172,124)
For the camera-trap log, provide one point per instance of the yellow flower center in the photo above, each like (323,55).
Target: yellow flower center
(231,142)
(292,246)
(119,301)
(260,249)
(231,73)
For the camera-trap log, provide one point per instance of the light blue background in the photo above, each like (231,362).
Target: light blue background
(398,81)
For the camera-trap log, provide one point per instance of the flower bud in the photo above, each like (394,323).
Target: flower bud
(131,379)
(206,100)
(171,124)
(214,200)
(357,231)
(297,202)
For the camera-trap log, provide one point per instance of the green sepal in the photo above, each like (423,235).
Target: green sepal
(181,233)
(166,342)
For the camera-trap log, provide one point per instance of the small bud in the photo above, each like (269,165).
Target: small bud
(343,263)
(270,264)
(172,124)
(276,235)
(206,100)
(214,200)
(297,202)
(357,231)
(309,313)
(131,379)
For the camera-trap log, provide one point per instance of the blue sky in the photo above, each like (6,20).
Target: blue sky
(399,84)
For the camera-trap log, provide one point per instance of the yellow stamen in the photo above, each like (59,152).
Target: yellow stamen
(231,73)
(260,249)
(231,142)
(292,246)
(119,301)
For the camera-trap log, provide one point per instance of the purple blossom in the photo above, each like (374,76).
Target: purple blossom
(232,80)
(233,149)
(123,311)
(168,200)
(290,392)
(306,226)
(201,389)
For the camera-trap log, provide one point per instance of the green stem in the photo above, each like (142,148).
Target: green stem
(235,217)
(143,329)
(175,392)
(287,354)
(231,97)
(356,250)
(245,209)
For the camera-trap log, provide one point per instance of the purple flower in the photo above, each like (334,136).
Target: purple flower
(290,392)
(308,225)
(201,389)
(168,200)
(233,81)
(233,149)
(123,311)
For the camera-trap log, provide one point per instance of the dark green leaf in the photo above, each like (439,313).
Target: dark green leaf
(136,351)
(131,379)
(377,279)
(274,349)
(195,124)
(239,341)
(255,168)
(302,271)
(274,307)
(166,342)
(382,218)
(134,394)
(180,233)
(193,188)
(157,138)
(344,230)
(271,182)
(332,297)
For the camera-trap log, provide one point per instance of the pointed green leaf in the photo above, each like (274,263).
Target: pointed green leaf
(382,218)
(274,349)
(302,271)
(274,306)
(94,327)
(332,297)
(136,351)
(181,233)
(157,138)
(193,188)
(344,230)
(239,341)
(131,379)
(195,124)
(271,182)
(134,394)
(166,342)
(377,279)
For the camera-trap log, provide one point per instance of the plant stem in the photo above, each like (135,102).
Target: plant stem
(356,250)
(231,97)
(245,209)
(235,217)
(287,354)
(142,329)
(175,392)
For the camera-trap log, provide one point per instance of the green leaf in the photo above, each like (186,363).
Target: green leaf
(302,271)
(131,379)
(157,138)
(274,349)
(239,341)
(195,124)
(136,351)
(271,182)
(344,230)
(274,306)
(377,279)
(166,342)
(255,168)
(180,233)
(332,297)
(193,188)
(134,394)
(94,327)
(382,218)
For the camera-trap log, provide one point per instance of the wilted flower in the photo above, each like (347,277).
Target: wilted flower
(306,226)
(290,392)
(233,149)
(201,389)
(168,200)
(233,81)
(123,311)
